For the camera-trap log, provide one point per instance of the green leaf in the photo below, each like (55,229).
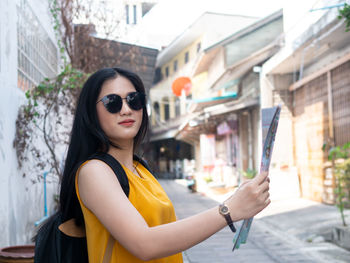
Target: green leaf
(346,146)
(41,87)
(333,152)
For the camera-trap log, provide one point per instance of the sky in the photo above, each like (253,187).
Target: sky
(171,17)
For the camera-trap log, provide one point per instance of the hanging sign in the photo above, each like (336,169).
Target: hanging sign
(207,146)
(223,129)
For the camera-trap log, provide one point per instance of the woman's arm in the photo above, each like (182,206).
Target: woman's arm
(103,195)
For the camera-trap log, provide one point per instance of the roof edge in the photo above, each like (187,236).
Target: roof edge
(178,38)
(265,20)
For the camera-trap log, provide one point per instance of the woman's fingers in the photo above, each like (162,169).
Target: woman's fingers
(265,186)
(245,182)
(251,197)
(261,177)
(267,202)
(265,195)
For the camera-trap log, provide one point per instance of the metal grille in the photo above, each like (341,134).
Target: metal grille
(37,54)
(341,103)
(310,128)
(311,115)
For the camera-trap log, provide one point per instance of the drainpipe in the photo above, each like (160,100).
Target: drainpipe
(45,204)
(330,120)
(330,107)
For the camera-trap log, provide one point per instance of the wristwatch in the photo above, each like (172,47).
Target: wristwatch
(223,210)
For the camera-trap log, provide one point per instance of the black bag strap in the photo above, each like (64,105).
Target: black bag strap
(116,167)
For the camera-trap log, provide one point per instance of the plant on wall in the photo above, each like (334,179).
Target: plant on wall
(340,156)
(345,13)
(41,126)
(44,120)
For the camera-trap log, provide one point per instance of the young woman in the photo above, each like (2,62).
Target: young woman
(111,117)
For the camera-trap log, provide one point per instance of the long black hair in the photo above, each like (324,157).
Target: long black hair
(87,136)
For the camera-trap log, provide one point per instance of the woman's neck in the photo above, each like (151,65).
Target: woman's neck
(124,154)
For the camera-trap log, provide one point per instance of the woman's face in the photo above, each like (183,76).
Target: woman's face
(120,127)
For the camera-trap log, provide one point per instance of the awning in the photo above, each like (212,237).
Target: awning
(199,104)
(231,107)
(163,135)
(207,120)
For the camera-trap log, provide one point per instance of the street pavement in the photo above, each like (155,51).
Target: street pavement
(286,231)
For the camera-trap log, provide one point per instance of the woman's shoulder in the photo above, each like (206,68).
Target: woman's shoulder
(93,166)
(92,163)
(94,175)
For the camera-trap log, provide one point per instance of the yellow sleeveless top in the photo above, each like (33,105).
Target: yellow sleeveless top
(149,198)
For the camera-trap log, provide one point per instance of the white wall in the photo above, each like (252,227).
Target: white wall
(21,202)
(297,17)
(299,25)
(8,110)
(217,68)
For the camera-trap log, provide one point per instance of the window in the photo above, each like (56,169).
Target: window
(127,14)
(157,76)
(175,65)
(135,15)
(156,112)
(177,106)
(37,54)
(167,71)
(198,47)
(166,109)
(187,57)
(156,109)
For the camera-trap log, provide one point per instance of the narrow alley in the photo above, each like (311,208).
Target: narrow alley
(266,242)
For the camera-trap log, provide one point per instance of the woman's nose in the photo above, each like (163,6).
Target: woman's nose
(125,108)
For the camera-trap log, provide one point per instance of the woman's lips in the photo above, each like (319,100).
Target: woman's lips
(127,122)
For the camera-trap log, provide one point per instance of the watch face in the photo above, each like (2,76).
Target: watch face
(224,209)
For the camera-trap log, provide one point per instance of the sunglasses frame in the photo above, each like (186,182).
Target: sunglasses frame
(106,100)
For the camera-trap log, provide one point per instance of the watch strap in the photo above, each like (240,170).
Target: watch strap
(229,222)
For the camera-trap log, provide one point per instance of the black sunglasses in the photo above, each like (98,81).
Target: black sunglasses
(114,103)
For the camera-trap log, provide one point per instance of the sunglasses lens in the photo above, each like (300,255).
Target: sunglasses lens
(113,103)
(136,100)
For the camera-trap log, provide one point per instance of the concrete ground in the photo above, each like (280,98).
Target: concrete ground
(289,230)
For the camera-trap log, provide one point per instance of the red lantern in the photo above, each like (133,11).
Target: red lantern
(182,83)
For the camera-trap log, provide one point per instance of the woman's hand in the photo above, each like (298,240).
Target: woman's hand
(250,198)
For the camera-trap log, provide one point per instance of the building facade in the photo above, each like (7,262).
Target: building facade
(309,76)
(170,111)
(28,53)
(230,114)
